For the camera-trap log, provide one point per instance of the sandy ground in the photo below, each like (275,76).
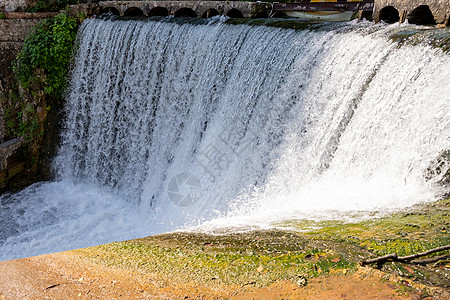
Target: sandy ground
(68,276)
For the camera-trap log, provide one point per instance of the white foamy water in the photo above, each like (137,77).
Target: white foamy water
(170,125)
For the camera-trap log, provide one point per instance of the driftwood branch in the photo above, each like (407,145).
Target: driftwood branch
(394,257)
(430,260)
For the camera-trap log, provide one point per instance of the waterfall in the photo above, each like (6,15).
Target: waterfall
(171,124)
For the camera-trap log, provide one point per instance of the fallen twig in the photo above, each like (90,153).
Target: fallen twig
(430,260)
(394,257)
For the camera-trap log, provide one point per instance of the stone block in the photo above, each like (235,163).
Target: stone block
(15,170)
(9,151)
(11,160)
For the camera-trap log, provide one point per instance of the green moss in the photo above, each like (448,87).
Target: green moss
(261,257)
(22,118)
(436,38)
(257,258)
(421,228)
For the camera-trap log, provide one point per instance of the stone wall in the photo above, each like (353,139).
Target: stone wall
(16,5)
(248,9)
(12,35)
(439,8)
(13,31)
(13,5)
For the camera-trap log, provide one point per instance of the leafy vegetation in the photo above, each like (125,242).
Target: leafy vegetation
(41,70)
(48,49)
(51,5)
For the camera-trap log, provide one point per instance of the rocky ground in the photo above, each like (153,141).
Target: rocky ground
(299,260)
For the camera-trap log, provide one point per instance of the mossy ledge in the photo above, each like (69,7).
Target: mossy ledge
(306,250)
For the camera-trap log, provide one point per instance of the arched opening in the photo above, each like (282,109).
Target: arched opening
(185,12)
(210,13)
(422,15)
(110,10)
(389,14)
(133,12)
(235,13)
(159,12)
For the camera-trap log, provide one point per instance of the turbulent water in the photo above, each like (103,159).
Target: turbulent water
(174,124)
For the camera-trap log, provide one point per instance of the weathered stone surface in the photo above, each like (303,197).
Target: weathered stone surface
(12,5)
(16,5)
(12,34)
(248,9)
(20,167)
(439,8)
(11,163)
(9,51)
(7,149)
(15,30)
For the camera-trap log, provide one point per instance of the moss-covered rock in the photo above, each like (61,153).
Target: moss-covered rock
(303,250)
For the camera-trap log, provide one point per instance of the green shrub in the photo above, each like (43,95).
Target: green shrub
(51,5)
(47,50)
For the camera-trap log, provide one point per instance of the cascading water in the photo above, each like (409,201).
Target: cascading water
(173,124)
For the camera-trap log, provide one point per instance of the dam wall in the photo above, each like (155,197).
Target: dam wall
(415,11)
(234,9)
